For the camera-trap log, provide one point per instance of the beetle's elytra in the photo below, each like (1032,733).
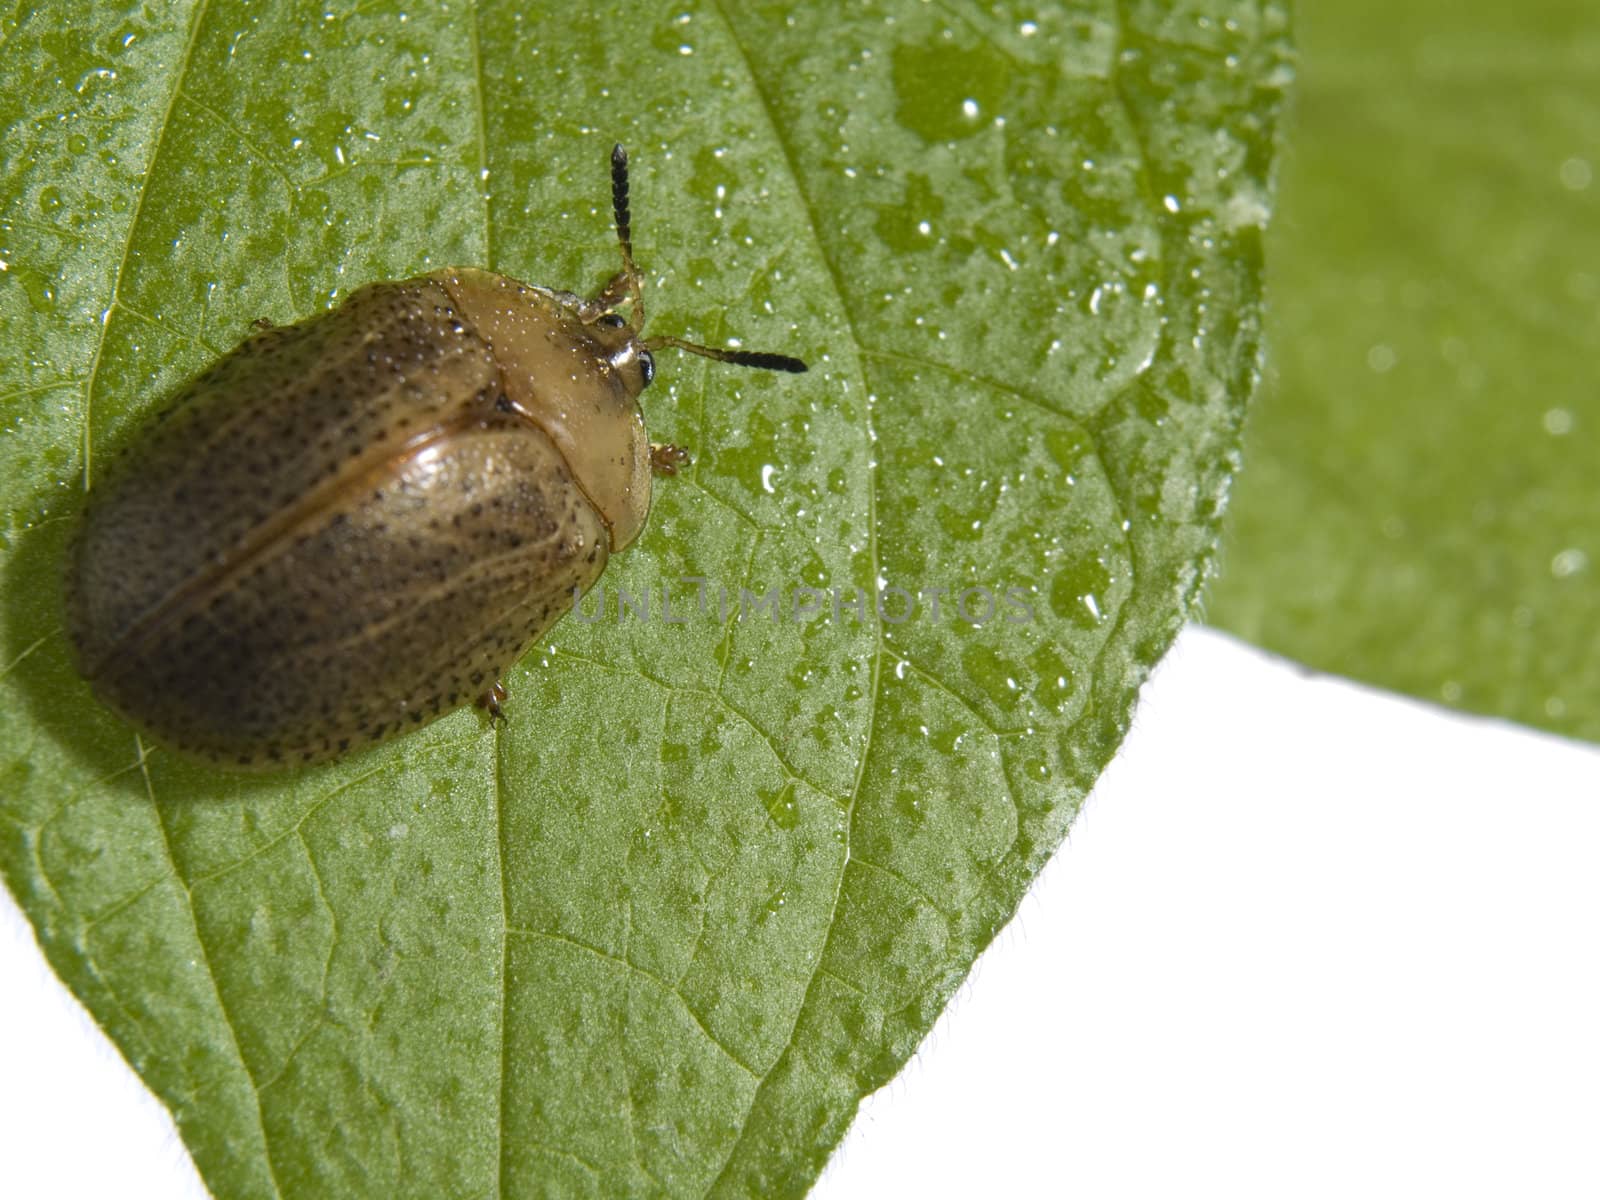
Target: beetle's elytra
(348,527)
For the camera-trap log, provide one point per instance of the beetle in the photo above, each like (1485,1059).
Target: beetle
(350,526)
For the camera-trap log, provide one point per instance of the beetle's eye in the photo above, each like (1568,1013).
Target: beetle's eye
(613,321)
(647,366)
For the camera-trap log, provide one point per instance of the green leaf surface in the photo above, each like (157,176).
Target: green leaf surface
(1421,505)
(713,880)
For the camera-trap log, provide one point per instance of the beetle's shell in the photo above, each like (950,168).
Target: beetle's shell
(337,533)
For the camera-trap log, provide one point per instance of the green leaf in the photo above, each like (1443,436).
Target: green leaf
(712,882)
(1420,508)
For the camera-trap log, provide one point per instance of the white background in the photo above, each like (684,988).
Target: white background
(1306,940)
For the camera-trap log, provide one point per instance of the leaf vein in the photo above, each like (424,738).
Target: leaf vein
(205,961)
(643,973)
(133,228)
(775,126)
(505,960)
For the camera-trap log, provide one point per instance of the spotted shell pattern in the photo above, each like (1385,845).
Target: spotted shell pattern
(340,531)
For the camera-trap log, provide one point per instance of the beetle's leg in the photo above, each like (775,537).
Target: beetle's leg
(492,699)
(665,458)
(262,324)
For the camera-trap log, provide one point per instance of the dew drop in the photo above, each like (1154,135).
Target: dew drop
(1568,563)
(1576,174)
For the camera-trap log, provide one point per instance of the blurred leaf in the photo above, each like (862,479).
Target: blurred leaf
(714,880)
(1422,508)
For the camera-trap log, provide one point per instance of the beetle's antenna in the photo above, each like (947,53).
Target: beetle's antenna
(744,358)
(619,207)
(630,275)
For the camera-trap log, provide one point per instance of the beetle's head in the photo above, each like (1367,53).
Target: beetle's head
(575,368)
(629,356)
